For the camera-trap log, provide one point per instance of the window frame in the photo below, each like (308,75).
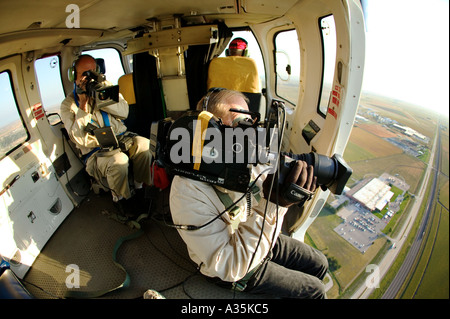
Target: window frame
(64,95)
(322,82)
(275,67)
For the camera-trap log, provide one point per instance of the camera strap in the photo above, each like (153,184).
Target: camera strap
(198,140)
(226,200)
(105,118)
(232,208)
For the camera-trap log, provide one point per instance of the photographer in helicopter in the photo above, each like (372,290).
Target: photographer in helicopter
(253,256)
(84,115)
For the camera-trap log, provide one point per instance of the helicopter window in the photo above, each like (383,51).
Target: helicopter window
(287,61)
(328,33)
(13,132)
(113,63)
(50,85)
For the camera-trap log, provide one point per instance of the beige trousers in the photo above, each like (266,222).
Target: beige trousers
(114,167)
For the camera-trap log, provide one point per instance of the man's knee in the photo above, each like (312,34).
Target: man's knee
(322,265)
(318,290)
(119,164)
(140,145)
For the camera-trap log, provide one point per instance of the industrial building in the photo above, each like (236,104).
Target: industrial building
(372,194)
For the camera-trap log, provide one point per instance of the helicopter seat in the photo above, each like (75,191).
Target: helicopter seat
(239,74)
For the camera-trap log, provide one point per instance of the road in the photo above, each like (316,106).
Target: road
(364,292)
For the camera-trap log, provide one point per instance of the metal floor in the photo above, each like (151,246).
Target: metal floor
(156,260)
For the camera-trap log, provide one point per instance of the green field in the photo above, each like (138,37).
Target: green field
(431,279)
(322,236)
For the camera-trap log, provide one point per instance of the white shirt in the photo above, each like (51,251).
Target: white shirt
(222,250)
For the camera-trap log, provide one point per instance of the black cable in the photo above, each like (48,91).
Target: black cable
(278,168)
(189,261)
(271,187)
(193,227)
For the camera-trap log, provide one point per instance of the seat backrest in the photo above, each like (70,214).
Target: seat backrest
(239,74)
(234,73)
(126,88)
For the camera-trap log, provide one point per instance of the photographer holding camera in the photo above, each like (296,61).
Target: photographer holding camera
(252,256)
(81,117)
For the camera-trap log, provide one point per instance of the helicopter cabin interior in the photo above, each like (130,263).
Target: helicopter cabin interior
(309,55)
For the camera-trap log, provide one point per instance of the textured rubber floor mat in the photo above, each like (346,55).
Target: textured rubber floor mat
(84,245)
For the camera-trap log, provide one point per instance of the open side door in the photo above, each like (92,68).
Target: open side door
(33,203)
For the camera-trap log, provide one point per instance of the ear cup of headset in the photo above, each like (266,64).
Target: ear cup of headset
(71,73)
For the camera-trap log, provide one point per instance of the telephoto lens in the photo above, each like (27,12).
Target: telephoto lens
(332,172)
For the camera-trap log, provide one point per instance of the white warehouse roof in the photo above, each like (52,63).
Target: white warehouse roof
(374,195)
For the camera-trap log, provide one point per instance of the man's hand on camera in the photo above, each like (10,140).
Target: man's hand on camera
(301,174)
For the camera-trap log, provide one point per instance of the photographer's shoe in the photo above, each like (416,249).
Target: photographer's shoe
(121,209)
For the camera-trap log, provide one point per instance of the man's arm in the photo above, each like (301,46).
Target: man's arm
(119,110)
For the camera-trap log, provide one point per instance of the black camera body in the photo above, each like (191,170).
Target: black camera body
(102,95)
(186,150)
(205,155)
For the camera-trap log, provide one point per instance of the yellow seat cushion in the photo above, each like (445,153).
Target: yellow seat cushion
(234,73)
(126,88)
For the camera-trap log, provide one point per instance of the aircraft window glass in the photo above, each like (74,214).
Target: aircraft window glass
(254,52)
(13,132)
(328,32)
(50,84)
(287,61)
(113,63)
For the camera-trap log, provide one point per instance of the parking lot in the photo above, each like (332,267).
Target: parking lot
(360,227)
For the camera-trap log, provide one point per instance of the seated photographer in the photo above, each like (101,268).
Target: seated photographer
(252,256)
(81,117)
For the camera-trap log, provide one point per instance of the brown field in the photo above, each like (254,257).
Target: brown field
(352,261)
(418,118)
(372,143)
(377,130)
(408,167)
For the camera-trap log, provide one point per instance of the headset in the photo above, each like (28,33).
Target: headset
(210,92)
(72,71)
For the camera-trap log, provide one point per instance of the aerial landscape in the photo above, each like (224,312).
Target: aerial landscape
(392,151)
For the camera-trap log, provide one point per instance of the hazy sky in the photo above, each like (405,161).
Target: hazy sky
(407,51)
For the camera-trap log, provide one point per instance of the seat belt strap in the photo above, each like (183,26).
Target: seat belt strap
(105,118)
(226,200)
